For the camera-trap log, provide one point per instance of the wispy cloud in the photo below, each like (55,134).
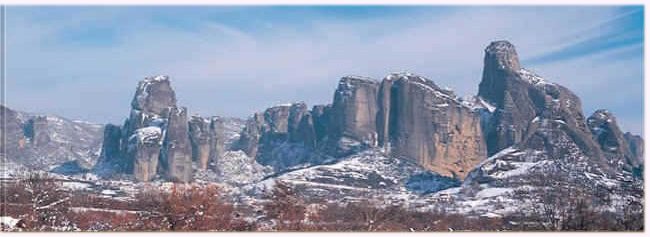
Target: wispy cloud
(85,62)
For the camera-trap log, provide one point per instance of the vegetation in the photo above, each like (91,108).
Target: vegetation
(41,205)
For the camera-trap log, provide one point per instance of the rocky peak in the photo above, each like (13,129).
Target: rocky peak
(353,114)
(502,55)
(154,95)
(612,141)
(603,126)
(278,118)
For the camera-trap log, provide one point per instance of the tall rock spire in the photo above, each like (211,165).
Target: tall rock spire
(156,130)
(531,113)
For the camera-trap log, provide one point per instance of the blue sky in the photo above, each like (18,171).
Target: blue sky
(84,62)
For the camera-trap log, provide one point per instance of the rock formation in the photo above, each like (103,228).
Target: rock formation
(217,138)
(200,139)
(206,136)
(530,112)
(612,141)
(143,150)
(36,130)
(177,150)
(636,147)
(406,114)
(353,115)
(282,136)
(155,139)
(430,126)
(12,137)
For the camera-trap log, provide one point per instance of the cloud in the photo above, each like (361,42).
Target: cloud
(85,62)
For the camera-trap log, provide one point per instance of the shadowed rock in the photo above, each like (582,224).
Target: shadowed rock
(612,141)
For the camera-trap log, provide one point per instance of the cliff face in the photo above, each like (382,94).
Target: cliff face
(177,150)
(207,139)
(143,151)
(530,112)
(153,103)
(636,147)
(281,137)
(503,87)
(158,139)
(353,122)
(407,115)
(199,129)
(622,151)
(12,137)
(430,126)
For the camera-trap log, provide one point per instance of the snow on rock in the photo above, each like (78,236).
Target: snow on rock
(148,134)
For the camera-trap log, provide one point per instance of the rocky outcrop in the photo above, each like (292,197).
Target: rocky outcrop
(111,144)
(530,112)
(177,150)
(155,139)
(206,136)
(250,136)
(501,86)
(36,130)
(430,126)
(353,116)
(150,109)
(154,95)
(320,116)
(12,137)
(200,139)
(612,141)
(143,147)
(46,141)
(408,115)
(217,138)
(111,158)
(282,136)
(635,143)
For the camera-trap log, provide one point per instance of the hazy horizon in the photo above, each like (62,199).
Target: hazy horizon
(84,62)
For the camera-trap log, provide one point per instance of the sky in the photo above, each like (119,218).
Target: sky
(85,62)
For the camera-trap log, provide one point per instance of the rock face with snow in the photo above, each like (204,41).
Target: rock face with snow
(218,138)
(408,115)
(36,130)
(503,86)
(177,150)
(150,110)
(143,150)
(527,106)
(200,139)
(155,139)
(430,126)
(612,141)
(537,135)
(282,136)
(46,141)
(12,138)
(353,115)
